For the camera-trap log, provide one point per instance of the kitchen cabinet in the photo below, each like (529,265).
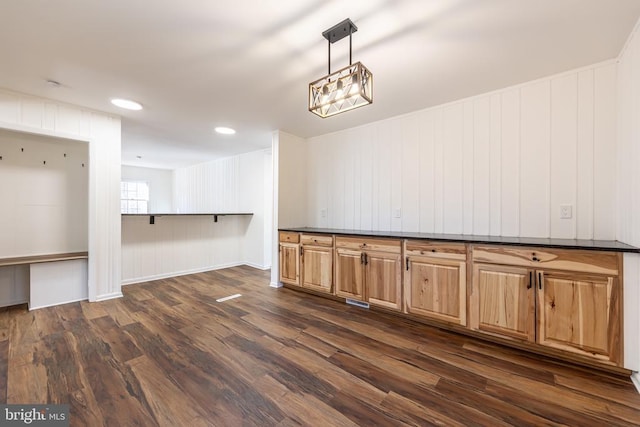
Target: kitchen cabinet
(435,280)
(349,273)
(289,254)
(502,301)
(562,299)
(579,313)
(316,261)
(369,269)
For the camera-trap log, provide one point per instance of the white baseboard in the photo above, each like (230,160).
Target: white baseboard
(276,285)
(57,303)
(635,379)
(105,297)
(131,281)
(258,266)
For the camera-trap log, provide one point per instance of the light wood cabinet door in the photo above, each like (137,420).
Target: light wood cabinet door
(383,279)
(349,274)
(290,263)
(579,313)
(502,301)
(317,268)
(436,288)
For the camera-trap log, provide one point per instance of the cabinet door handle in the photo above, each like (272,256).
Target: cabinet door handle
(361,257)
(301,250)
(366,259)
(530,280)
(407,263)
(540,280)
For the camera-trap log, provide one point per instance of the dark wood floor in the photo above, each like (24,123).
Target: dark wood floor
(169,354)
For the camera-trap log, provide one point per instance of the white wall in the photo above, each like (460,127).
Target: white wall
(41,116)
(292,180)
(253,175)
(208,187)
(289,189)
(44,193)
(495,164)
(628,180)
(177,245)
(160,183)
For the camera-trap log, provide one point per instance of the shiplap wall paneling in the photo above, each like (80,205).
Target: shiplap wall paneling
(395,141)
(348,196)
(438,154)
(367,172)
(426,171)
(409,168)
(605,136)
(564,116)
(334,180)
(207,187)
(534,162)
(177,245)
(496,164)
(481,165)
(383,175)
(510,163)
(38,116)
(585,152)
(452,176)
(467,167)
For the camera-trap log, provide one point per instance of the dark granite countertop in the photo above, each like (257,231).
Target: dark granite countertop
(601,245)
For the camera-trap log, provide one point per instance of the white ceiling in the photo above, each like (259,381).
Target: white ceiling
(197,64)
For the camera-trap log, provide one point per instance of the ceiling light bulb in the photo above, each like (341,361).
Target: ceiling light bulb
(355,87)
(126,104)
(225,130)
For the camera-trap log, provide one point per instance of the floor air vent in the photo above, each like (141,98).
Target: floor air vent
(357,303)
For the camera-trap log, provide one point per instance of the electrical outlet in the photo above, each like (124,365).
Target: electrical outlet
(323,213)
(397,213)
(566,211)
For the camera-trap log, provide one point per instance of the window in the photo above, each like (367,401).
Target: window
(134,197)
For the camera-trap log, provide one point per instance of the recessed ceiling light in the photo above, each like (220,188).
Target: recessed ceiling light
(127,104)
(224,130)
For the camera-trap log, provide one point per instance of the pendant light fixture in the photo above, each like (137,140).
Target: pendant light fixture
(348,88)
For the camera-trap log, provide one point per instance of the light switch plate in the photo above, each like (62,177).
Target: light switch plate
(397,213)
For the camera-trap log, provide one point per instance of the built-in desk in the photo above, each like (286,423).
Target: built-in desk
(52,279)
(215,215)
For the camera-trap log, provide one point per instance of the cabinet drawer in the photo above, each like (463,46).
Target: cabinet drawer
(316,240)
(457,251)
(560,259)
(362,244)
(289,237)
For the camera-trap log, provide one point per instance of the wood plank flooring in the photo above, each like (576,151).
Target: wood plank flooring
(168,354)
